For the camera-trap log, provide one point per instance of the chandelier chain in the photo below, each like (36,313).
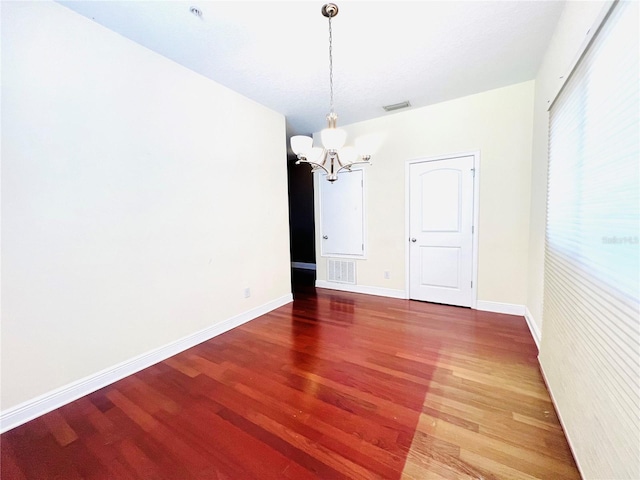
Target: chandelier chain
(331,66)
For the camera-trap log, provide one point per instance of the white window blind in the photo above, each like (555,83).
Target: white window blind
(590,349)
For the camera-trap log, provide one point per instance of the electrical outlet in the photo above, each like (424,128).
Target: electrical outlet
(247,292)
(387,275)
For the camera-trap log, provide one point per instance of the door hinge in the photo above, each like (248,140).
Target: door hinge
(473,172)
(363,247)
(471,283)
(473,229)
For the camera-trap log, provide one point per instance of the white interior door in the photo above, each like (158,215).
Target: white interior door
(440,229)
(342,215)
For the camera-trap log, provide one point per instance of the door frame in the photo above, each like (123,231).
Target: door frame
(476,212)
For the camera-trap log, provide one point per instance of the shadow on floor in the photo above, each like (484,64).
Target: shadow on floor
(303,281)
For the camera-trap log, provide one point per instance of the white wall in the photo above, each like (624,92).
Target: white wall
(134,210)
(499,124)
(576,20)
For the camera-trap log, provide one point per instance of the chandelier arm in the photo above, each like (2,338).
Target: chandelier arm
(318,166)
(349,165)
(315,165)
(357,162)
(362,160)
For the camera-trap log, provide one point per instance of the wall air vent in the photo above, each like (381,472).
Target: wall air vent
(341,271)
(396,106)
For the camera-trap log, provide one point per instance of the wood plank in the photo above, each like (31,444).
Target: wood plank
(59,427)
(335,385)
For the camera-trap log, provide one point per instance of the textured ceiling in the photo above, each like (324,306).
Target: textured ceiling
(384,52)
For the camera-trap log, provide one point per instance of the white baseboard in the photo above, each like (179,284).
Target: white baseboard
(533,327)
(497,307)
(303,265)
(42,404)
(562,424)
(379,291)
(513,309)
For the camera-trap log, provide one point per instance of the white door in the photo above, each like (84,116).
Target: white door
(342,215)
(440,229)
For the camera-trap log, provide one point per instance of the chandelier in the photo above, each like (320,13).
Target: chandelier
(333,156)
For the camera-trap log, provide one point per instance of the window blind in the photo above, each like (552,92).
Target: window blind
(590,349)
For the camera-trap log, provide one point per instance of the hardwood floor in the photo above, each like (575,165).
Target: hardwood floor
(335,385)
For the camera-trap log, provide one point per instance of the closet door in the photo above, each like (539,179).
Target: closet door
(342,215)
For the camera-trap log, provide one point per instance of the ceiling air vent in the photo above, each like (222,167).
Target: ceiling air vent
(396,106)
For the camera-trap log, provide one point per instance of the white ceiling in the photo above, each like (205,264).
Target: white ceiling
(384,52)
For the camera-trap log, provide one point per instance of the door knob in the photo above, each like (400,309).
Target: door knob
(413,240)
(325,237)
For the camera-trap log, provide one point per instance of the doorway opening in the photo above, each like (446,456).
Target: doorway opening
(301,226)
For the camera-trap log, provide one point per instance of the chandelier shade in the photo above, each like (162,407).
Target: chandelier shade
(333,156)
(333,138)
(301,144)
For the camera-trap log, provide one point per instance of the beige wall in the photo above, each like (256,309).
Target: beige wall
(134,211)
(576,20)
(498,123)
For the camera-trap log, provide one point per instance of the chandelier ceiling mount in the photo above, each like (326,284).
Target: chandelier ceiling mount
(329,10)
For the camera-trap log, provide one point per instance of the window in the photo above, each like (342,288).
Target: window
(590,348)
